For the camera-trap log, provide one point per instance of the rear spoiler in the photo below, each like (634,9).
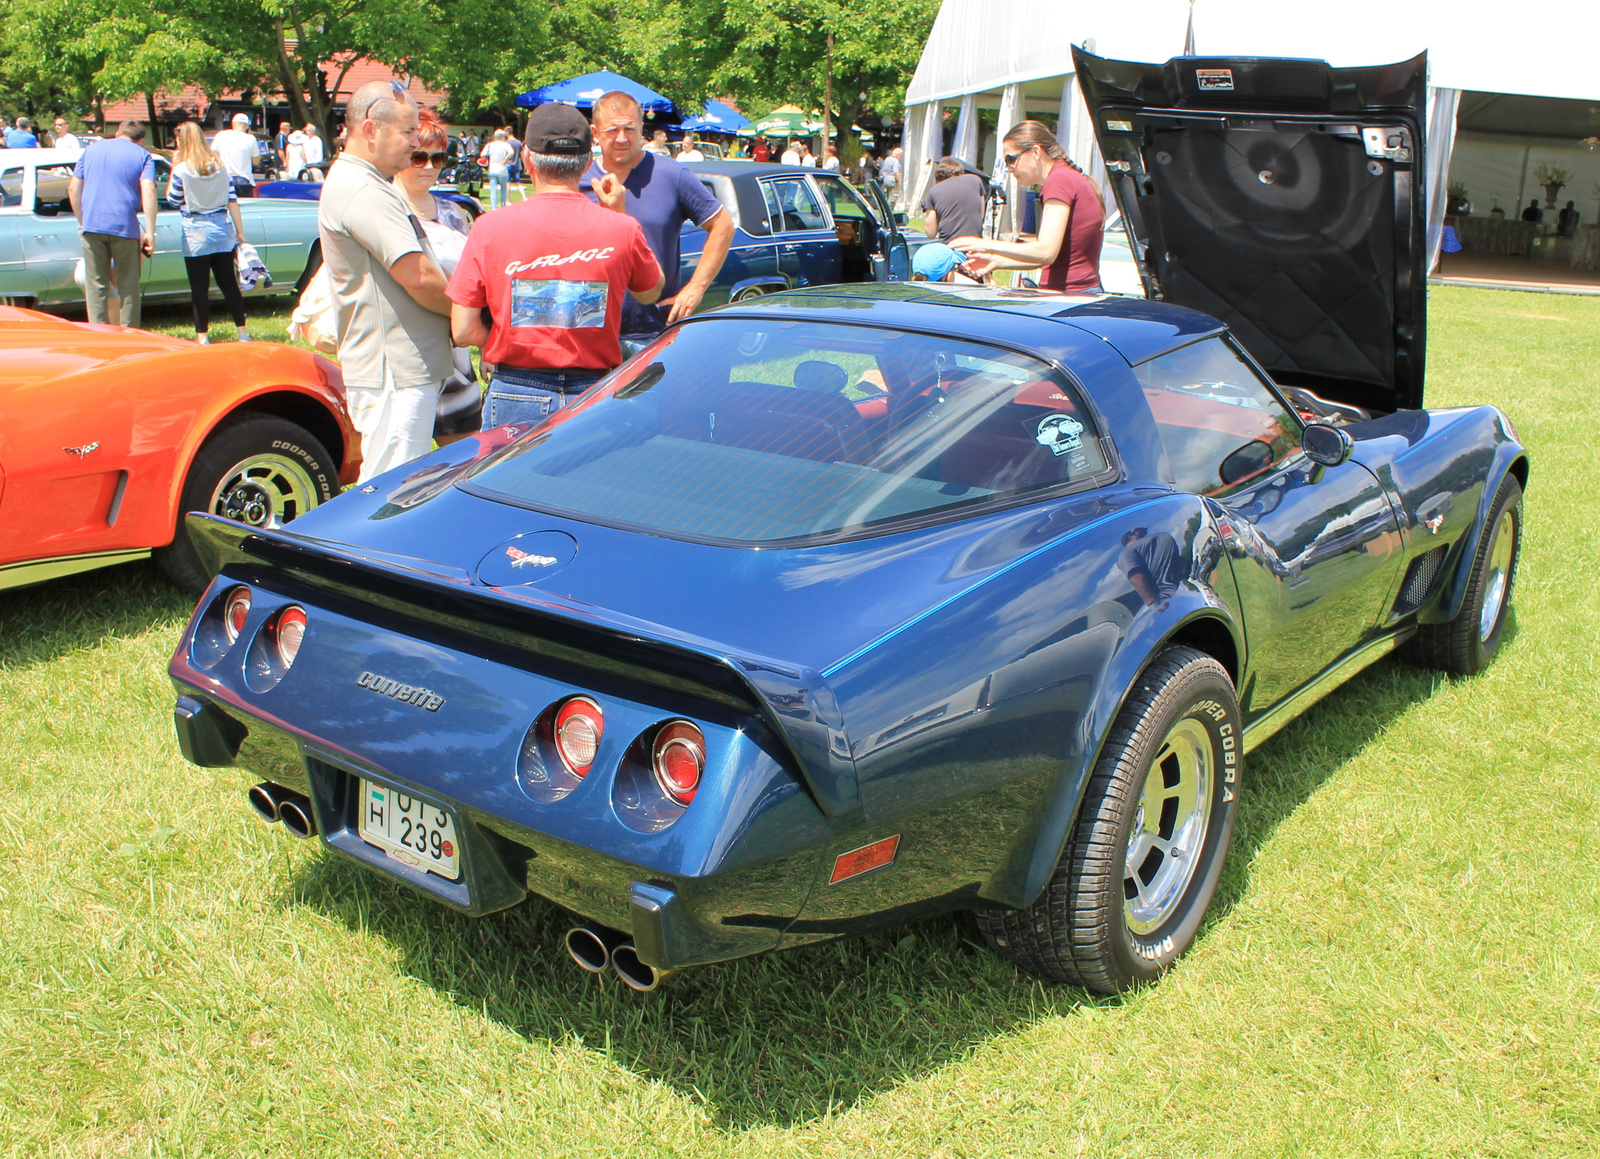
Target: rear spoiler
(795,703)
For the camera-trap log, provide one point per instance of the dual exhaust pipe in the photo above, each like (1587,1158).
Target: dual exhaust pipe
(274,803)
(596,949)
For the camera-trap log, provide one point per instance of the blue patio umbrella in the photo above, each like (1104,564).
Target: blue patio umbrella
(717,118)
(582,91)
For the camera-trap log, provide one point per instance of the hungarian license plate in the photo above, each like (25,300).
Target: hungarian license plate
(409,830)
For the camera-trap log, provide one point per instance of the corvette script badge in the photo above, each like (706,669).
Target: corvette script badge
(520,558)
(405,693)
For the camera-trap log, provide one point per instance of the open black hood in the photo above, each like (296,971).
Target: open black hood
(1285,198)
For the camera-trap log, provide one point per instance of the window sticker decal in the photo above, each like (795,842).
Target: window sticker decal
(1059,433)
(1214,79)
(557,303)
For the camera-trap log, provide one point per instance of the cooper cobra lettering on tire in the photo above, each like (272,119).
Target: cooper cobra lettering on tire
(258,469)
(1143,858)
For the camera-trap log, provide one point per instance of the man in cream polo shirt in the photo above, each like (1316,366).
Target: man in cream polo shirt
(388,291)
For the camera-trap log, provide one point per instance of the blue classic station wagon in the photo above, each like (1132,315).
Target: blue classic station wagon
(796,227)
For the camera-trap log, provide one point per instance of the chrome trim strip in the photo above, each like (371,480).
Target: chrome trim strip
(33,571)
(1259,731)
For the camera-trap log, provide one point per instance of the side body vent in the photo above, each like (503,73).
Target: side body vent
(1419,580)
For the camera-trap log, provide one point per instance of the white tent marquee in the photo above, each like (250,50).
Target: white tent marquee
(1013,56)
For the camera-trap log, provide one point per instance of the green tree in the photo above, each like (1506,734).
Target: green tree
(46,62)
(145,47)
(765,52)
(311,45)
(483,63)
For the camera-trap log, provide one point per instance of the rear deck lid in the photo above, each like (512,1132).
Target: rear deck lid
(1285,198)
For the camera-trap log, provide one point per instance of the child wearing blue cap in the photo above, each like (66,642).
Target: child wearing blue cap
(937,262)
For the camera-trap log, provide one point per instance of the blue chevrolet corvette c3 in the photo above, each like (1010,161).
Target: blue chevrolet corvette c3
(856,604)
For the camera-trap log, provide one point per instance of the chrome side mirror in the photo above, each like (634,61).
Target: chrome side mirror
(1326,446)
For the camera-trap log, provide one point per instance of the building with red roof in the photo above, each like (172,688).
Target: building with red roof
(266,109)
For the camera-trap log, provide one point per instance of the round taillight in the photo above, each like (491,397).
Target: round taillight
(235,611)
(287,631)
(678,758)
(578,725)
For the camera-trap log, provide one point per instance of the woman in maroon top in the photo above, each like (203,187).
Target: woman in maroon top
(1071,220)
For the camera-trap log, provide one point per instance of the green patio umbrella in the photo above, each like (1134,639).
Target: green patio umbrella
(784,121)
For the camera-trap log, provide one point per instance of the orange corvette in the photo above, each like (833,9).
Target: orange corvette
(108,435)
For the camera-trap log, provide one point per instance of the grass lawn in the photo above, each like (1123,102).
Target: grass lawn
(1405,959)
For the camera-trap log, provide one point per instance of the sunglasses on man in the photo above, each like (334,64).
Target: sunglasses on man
(421,157)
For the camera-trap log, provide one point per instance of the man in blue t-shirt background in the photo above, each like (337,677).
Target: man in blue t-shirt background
(21,136)
(661,196)
(110,185)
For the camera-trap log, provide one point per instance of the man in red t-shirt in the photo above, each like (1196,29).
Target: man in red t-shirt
(551,272)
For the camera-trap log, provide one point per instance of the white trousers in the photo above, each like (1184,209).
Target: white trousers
(395,423)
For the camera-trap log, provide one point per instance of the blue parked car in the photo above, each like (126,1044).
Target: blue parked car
(855,604)
(312,191)
(797,227)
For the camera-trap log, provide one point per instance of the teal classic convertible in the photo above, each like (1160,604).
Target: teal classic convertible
(39,237)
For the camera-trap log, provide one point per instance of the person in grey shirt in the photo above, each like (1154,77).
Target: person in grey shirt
(388,291)
(954,206)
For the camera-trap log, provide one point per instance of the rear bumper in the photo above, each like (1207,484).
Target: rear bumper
(675,919)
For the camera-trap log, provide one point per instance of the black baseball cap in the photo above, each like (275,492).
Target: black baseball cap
(557,129)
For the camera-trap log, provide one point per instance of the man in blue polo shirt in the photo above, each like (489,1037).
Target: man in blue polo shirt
(109,186)
(661,196)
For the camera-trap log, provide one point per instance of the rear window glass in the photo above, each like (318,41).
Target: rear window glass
(10,187)
(750,431)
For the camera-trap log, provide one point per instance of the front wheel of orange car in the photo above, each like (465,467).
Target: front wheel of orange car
(257,469)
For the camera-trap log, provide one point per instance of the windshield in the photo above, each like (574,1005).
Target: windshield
(750,430)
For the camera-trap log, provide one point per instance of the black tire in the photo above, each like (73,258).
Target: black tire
(1467,644)
(256,468)
(1175,744)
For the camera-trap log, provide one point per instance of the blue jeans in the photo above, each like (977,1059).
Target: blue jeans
(499,189)
(526,397)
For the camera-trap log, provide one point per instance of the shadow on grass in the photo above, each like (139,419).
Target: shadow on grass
(60,616)
(1282,774)
(784,1038)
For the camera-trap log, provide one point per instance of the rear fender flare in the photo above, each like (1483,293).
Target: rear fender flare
(1509,458)
(1023,875)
